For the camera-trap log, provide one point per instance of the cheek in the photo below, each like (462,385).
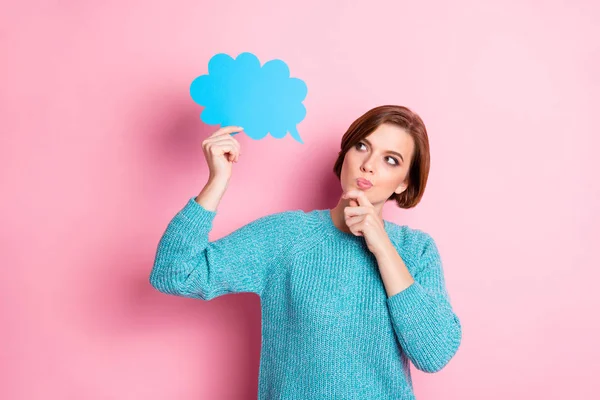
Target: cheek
(351,160)
(389,183)
(347,165)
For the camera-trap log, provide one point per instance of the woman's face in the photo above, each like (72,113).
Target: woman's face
(383,158)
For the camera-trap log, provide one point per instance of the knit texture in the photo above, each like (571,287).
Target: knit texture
(329,330)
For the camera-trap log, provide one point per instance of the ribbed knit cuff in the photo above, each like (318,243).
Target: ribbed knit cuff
(196,217)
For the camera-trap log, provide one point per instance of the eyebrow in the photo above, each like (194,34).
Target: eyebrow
(389,151)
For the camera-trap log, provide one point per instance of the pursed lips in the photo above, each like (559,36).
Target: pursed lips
(364,182)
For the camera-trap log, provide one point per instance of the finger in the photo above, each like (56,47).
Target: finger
(226,130)
(352,194)
(362,199)
(353,220)
(226,150)
(356,228)
(359,226)
(226,139)
(352,211)
(223,149)
(359,196)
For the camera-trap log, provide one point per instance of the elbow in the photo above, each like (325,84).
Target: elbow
(169,283)
(434,364)
(429,368)
(165,283)
(161,284)
(439,356)
(156,283)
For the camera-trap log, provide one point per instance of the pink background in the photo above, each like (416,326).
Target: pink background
(101,146)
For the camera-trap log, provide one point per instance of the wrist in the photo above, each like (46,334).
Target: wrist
(386,249)
(217,181)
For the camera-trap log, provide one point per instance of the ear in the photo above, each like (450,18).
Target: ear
(401,188)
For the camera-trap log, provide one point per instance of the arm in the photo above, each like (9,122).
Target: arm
(428,330)
(187,264)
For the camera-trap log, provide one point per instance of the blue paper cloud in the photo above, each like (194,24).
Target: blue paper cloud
(240,92)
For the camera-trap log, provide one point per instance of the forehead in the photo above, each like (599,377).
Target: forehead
(391,137)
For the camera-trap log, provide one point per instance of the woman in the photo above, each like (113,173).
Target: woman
(348,299)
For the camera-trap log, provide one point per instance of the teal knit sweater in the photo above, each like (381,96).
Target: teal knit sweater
(329,330)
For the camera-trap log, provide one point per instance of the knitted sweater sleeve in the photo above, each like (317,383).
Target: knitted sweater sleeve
(187,264)
(426,326)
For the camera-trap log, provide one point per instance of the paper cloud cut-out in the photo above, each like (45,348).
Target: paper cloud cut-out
(240,92)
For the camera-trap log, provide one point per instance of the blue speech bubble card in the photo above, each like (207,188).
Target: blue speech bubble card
(240,92)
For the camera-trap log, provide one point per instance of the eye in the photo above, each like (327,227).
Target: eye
(395,161)
(390,157)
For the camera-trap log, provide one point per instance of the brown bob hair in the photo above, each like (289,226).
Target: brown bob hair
(418,171)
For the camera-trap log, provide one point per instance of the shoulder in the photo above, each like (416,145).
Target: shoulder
(410,242)
(408,236)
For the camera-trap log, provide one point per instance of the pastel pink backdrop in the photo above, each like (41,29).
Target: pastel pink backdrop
(101,146)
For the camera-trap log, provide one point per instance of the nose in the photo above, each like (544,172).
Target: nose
(366,166)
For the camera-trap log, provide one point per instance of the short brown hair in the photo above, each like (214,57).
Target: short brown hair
(403,117)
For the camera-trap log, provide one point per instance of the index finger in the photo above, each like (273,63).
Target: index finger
(360,196)
(226,130)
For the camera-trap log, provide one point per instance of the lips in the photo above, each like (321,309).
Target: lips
(364,183)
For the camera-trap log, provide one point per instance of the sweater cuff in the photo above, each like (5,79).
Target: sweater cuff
(196,217)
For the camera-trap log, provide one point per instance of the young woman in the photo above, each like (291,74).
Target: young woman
(348,299)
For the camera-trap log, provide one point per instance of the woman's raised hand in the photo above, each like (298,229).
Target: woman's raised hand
(221,150)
